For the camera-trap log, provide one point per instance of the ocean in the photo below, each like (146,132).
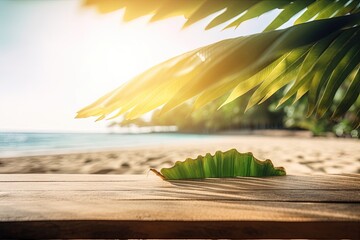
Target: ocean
(13,144)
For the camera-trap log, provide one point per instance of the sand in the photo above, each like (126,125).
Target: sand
(299,155)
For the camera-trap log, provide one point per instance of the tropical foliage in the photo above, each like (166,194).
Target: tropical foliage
(210,120)
(221,165)
(316,59)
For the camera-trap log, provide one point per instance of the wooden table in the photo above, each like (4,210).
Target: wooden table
(140,206)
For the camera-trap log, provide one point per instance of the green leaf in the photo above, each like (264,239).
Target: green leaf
(313,55)
(351,95)
(279,83)
(257,10)
(289,11)
(327,62)
(350,8)
(175,8)
(356,121)
(288,65)
(207,8)
(240,86)
(233,9)
(227,63)
(302,90)
(347,64)
(294,89)
(305,74)
(332,8)
(312,10)
(227,164)
(127,96)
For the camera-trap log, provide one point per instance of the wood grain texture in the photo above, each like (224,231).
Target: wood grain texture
(280,195)
(124,177)
(136,206)
(178,229)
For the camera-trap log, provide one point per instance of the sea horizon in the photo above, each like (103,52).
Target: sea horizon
(29,143)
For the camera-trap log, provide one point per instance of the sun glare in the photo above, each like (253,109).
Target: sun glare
(70,55)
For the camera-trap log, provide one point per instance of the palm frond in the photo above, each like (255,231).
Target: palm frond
(266,62)
(256,10)
(279,76)
(312,10)
(351,95)
(238,11)
(328,61)
(287,13)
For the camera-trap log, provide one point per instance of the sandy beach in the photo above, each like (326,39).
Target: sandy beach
(299,155)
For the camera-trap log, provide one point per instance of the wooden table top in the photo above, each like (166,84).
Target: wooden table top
(140,206)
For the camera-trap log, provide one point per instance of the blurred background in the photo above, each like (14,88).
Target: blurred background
(58,56)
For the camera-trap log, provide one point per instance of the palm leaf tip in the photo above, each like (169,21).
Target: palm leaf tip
(237,11)
(221,165)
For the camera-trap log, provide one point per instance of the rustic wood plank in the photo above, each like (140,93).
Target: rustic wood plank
(176,210)
(31,177)
(104,229)
(136,182)
(188,185)
(99,206)
(280,195)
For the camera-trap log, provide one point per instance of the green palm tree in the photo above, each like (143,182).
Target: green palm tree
(312,60)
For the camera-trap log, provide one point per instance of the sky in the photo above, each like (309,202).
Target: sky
(57,57)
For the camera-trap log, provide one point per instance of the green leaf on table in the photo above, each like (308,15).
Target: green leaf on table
(227,164)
